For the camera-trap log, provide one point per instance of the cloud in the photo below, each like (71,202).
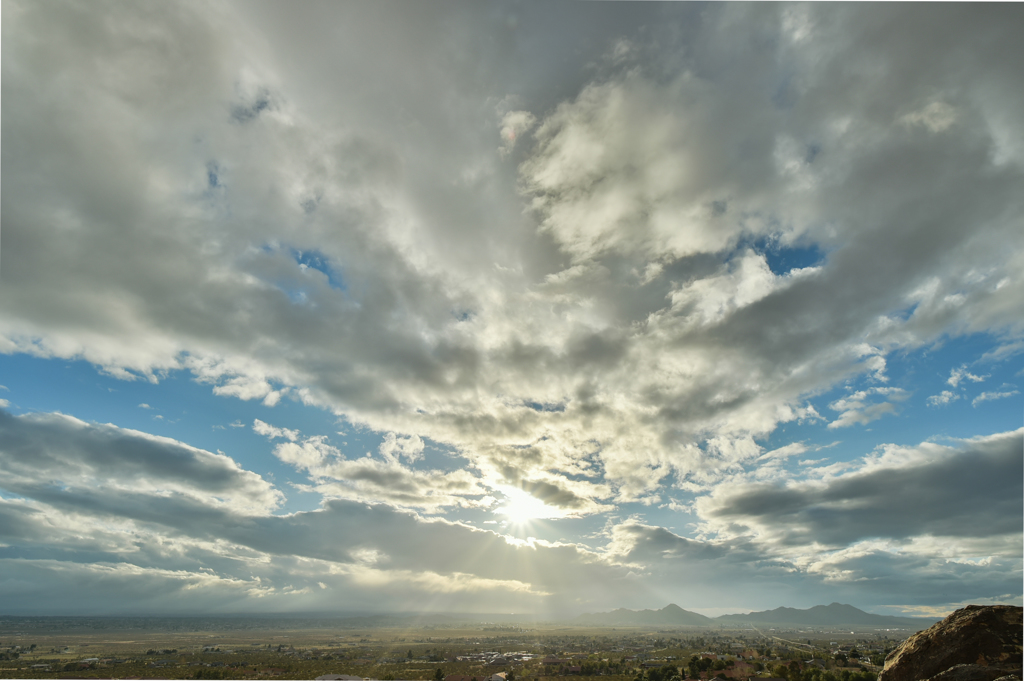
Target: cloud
(514,124)
(962,491)
(115,588)
(191,550)
(943,398)
(786,451)
(191,526)
(961,374)
(273,432)
(936,117)
(386,479)
(987,396)
(1003,351)
(716,220)
(946,609)
(104,465)
(855,409)
(637,300)
(409,448)
(704,572)
(211,562)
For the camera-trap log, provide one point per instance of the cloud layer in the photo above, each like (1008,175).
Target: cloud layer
(198,541)
(600,256)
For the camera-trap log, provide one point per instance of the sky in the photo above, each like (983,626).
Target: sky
(517,307)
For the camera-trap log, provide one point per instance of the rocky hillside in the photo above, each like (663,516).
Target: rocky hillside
(976,643)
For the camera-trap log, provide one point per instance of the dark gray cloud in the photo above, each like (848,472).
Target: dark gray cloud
(968,491)
(52,455)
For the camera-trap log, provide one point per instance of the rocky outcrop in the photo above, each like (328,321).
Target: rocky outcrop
(976,643)
(972,672)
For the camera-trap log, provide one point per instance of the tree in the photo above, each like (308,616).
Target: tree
(438,674)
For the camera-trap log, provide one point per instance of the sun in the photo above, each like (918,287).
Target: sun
(521,507)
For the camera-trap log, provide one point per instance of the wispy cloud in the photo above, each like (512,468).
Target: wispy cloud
(273,432)
(945,397)
(989,396)
(857,407)
(956,376)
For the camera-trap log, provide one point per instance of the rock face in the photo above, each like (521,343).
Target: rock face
(976,643)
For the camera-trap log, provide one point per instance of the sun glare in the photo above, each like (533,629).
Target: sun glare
(521,507)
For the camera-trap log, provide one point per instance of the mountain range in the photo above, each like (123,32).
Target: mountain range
(671,614)
(835,614)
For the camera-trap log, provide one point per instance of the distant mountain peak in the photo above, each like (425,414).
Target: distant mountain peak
(833,614)
(671,615)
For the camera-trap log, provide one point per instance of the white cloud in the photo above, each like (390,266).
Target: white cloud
(309,454)
(945,397)
(988,396)
(961,374)
(855,408)
(248,388)
(272,432)
(376,480)
(1004,351)
(409,448)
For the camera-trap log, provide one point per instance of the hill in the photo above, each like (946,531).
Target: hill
(835,614)
(669,615)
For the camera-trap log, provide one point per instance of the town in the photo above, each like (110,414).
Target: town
(484,652)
